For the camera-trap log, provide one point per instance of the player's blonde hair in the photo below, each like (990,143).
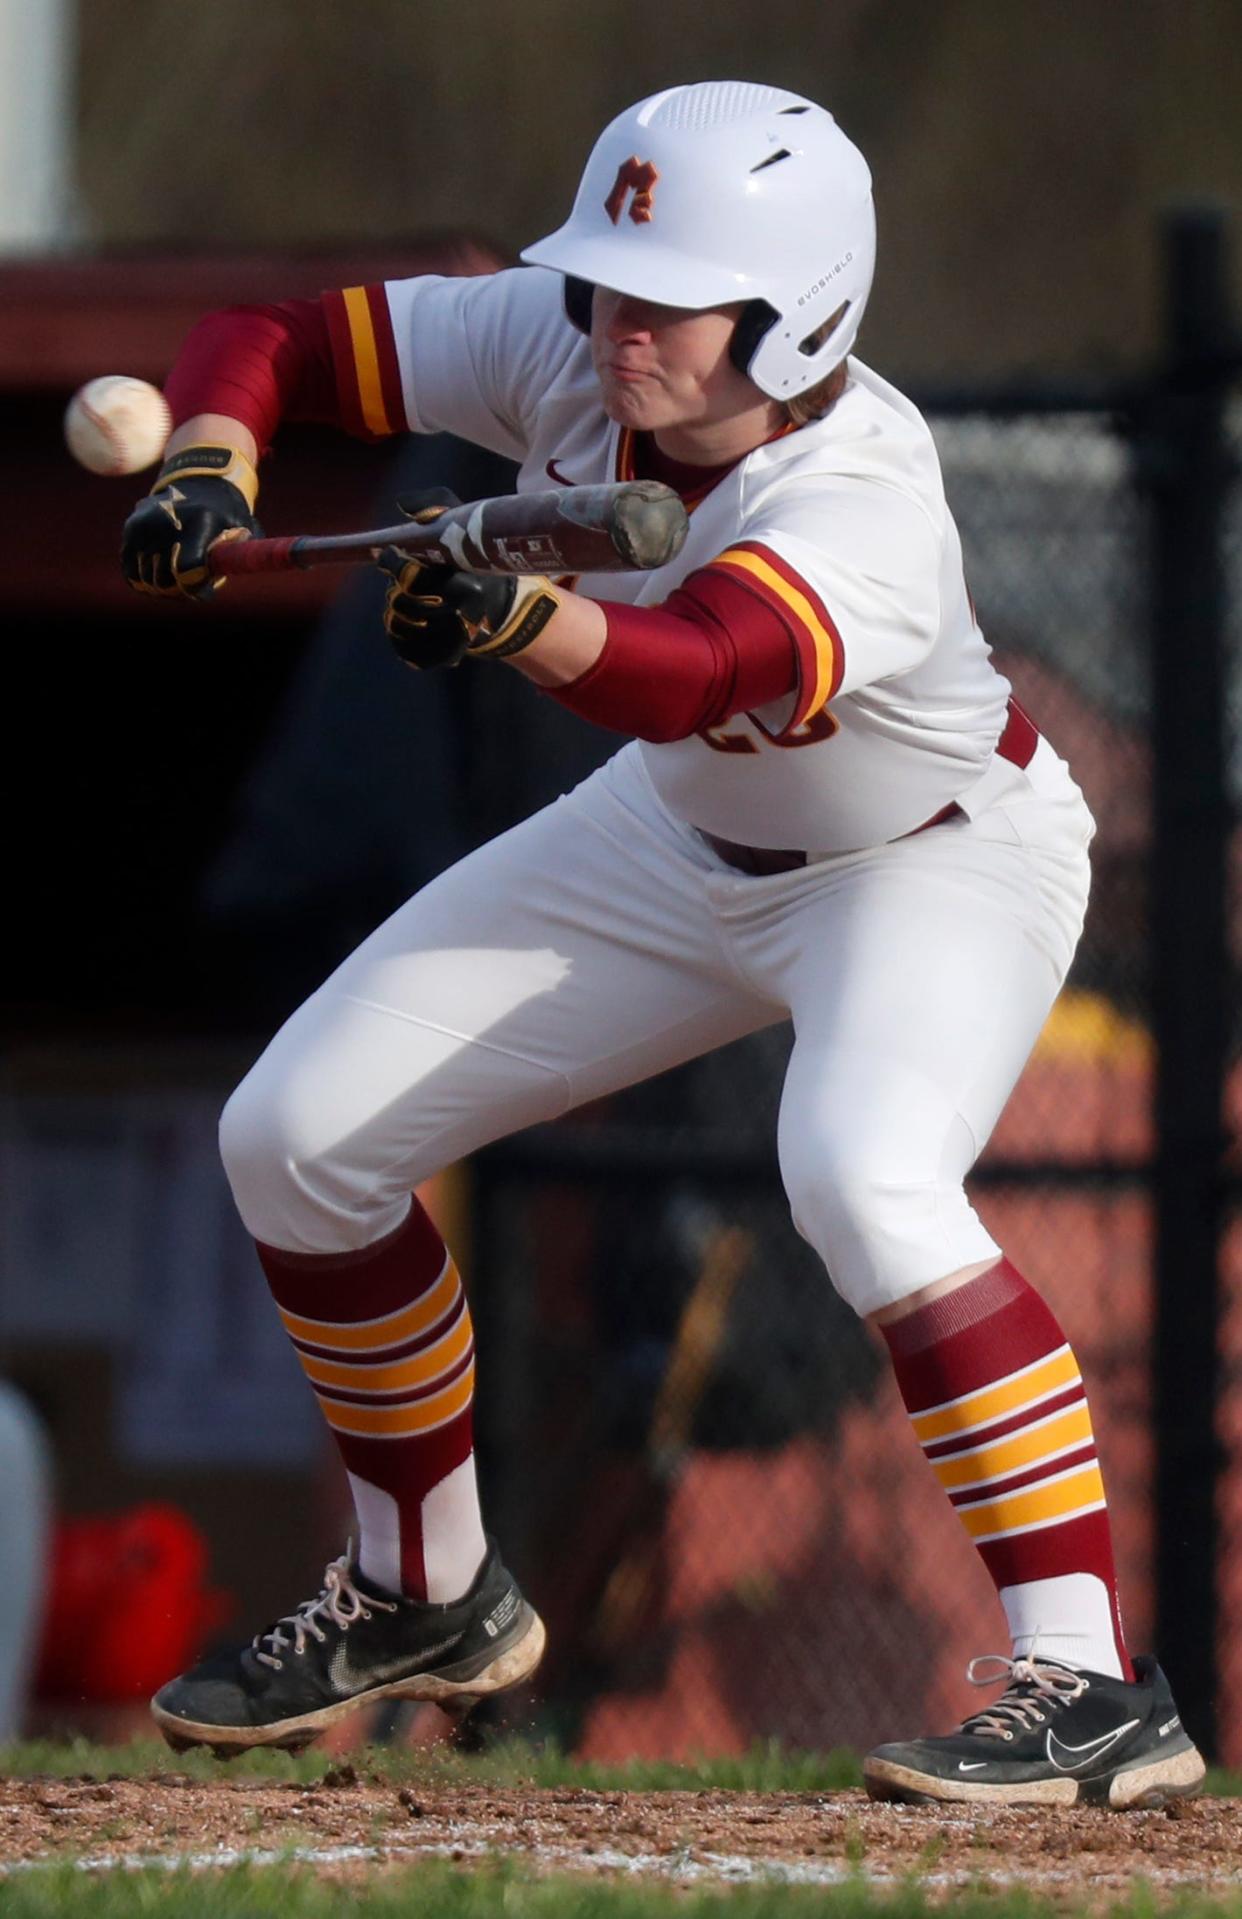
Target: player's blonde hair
(819,399)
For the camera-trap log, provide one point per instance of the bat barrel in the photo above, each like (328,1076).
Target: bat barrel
(578,529)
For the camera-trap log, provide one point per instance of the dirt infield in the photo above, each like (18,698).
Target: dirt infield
(683,1837)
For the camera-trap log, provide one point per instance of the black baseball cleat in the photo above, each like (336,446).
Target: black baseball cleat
(1057,1736)
(353,1644)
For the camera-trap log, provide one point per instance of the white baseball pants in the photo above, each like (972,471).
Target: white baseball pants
(602,941)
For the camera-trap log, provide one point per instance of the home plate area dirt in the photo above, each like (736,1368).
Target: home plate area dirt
(345,1820)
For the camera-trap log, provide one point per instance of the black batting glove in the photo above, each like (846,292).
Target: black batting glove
(202,494)
(414,616)
(435,615)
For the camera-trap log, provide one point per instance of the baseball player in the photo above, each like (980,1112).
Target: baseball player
(830,811)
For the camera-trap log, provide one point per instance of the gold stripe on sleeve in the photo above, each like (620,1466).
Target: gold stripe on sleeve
(800,606)
(366,360)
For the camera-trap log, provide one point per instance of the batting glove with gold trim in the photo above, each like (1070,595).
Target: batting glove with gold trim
(201,494)
(436,615)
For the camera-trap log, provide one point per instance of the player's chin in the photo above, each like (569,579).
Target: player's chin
(638,404)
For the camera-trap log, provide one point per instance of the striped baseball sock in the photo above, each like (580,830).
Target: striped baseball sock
(998,1405)
(385,1338)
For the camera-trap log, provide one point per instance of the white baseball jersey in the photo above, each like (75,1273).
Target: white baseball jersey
(841,525)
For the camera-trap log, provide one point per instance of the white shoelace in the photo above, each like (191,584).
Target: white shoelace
(1036,1688)
(340,1601)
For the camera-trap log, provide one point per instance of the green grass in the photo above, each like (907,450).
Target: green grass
(446,1892)
(765,1768)
(500,1893)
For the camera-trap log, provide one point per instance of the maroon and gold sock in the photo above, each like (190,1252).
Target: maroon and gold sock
(385,1338)
(998,1405)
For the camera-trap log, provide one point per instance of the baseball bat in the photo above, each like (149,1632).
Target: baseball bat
(638,524)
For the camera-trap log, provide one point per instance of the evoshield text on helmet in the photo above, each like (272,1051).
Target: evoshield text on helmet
(726,191)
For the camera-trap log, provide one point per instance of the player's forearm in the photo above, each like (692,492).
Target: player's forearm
(213,429)
(569,645)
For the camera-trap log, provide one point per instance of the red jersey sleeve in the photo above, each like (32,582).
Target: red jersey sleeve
(331,359)
(711,650)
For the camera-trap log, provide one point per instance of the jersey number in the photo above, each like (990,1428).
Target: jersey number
(820,726)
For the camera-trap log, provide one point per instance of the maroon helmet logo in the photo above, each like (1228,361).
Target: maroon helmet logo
(637,177)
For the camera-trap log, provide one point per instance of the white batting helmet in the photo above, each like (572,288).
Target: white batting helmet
(726,191)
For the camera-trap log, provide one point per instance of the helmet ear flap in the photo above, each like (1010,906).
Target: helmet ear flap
(755,320)
(578,296)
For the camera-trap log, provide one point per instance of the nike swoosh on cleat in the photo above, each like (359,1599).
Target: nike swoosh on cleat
(973,1765)
(553,473)
(347,1681)
(1083,1755)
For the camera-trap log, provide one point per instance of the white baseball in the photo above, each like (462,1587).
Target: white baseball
(117,425)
